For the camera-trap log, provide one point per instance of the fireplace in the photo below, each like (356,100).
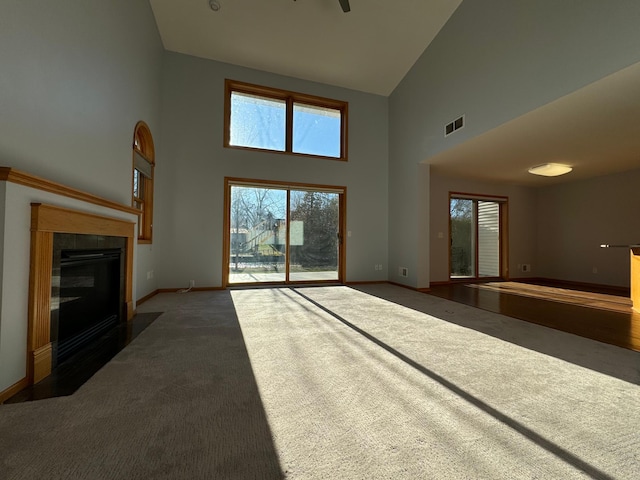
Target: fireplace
(87,294)
(64,240)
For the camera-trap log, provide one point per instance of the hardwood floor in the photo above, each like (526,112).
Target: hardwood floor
(596,315)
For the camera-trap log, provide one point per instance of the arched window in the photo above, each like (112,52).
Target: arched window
(143,165)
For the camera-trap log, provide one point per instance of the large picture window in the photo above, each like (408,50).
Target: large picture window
(269,119)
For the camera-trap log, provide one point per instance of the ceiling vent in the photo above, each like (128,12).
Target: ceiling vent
(457,124)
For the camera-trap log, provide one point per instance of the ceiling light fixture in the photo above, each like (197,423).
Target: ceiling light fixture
(215,5)
(550,169)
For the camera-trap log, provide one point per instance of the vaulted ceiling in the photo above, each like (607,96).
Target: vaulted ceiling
(595,129)
(371,48)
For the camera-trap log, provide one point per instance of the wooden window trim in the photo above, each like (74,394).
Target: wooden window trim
(226,243)
(290,98)
(143,145)
(503,202)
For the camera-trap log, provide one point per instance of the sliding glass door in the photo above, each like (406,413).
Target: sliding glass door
(488,227)
(314,235)
(476,237)
(258,234)
(463,237)
(283,234)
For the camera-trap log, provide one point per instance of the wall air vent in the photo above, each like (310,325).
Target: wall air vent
(457,124)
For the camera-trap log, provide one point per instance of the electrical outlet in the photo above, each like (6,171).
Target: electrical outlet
(594,269)
(403,271)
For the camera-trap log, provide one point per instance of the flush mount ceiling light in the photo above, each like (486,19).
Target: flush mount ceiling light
(214,5)
(550,169)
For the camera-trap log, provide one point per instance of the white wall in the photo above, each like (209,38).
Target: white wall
(575,218)
(3,193)
(493,61)
(558,229)
(78,74)
(75,77)
(15,272)
(193,163)
(522,225)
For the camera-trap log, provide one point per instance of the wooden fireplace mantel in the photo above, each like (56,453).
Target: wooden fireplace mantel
(45,221)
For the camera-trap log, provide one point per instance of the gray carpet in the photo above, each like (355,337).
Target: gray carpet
(337,383)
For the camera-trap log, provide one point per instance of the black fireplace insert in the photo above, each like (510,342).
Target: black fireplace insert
(89,297)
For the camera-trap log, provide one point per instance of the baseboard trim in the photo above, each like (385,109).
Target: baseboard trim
(185,290)
(175,290)
(614,290)
(13,389)
(415,289)
(147,297)
(458,281)
(533,279)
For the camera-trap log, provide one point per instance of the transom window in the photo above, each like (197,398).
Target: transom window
(263,118)
(143,165)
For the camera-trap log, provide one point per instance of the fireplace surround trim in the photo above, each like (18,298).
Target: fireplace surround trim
(45,221)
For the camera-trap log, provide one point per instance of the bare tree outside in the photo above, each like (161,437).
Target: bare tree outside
(261,232)
(318,213)
(258,228)
(461,212)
